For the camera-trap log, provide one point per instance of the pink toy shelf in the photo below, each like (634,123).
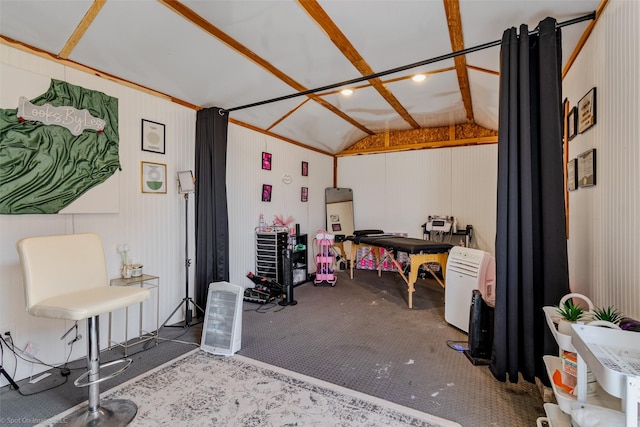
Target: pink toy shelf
(324,259)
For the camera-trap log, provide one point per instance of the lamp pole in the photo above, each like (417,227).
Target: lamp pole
(185,186)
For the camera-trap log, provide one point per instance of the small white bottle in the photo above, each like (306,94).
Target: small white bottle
(261,223)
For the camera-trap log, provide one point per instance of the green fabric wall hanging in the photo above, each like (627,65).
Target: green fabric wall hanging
(45,167)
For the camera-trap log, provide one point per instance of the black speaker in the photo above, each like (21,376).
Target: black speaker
(287,279)
(480,330)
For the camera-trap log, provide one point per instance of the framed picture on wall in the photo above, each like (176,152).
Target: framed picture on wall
(587,111)
(266,161)
(153,137)
(587,168)
(571,175)
(304,194)
(305,169)
(266,193)
(572,121)
(153,177)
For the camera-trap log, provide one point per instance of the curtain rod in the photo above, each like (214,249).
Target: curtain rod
(483,46)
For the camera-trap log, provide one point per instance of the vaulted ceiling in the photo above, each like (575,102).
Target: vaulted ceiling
(233,54)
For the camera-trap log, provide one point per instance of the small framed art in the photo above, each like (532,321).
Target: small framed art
(266,161)
(305,169)
(304,194)
(571,175)
(153,137)
(572,121)
(266,193)
(153,177)
(587,111)
(587,168)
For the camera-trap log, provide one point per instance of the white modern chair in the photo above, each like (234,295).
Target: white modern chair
(65,277)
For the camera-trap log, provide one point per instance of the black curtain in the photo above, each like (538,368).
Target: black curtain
(531,246)
(212,221)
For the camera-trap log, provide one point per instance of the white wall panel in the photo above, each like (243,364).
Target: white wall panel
(396,192)
(365,175)
(245,178)
(474,177)
(418,185)
(152,224)
(603,241)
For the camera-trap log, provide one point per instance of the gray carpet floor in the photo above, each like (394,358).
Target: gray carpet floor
(359,334)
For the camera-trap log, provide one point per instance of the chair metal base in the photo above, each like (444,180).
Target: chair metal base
(110,413)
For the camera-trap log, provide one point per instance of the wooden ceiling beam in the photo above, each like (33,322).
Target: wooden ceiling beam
(317,13)
(77,34)
(584,37)
(454,22)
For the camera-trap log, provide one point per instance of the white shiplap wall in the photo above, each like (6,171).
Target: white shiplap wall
(604,248)
(244,189)
(396,192)
(152,224)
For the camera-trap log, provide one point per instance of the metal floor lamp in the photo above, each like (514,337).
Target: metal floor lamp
(185,187)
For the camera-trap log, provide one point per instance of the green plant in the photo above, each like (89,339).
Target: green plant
(610,314)
(571,312)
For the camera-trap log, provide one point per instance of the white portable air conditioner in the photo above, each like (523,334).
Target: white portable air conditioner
(222,329)
(467,269)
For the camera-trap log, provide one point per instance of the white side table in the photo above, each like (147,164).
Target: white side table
(146,281)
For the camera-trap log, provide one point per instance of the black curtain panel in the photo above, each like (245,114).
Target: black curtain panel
(531,246)
(212,221)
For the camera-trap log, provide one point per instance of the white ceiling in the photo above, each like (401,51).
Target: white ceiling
(233,53)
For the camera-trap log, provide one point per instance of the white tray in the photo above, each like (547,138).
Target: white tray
(566,400)
(612,355)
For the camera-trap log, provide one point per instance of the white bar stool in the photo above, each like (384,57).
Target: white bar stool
(65,277)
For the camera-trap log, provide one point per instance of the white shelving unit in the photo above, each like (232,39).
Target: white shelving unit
(557,415)
(594,346)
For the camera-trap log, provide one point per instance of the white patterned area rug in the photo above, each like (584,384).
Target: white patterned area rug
(201,389)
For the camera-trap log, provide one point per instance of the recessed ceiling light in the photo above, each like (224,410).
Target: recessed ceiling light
(418,77)
(346,92)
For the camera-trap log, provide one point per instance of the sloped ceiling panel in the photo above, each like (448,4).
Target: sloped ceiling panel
(486,87)
(267,115)
(513,13)
(433,102)
(285,35)
(166,51)
(49,23)
(390,34)
(232,53)
(368,107)
(319,128)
